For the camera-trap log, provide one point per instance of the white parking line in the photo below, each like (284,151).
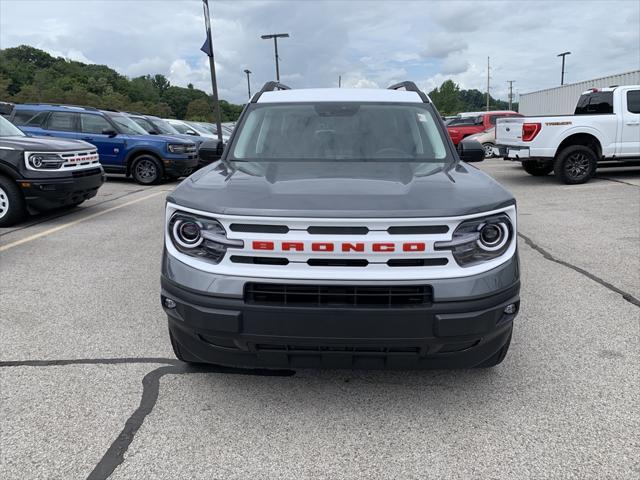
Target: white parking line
(75,222)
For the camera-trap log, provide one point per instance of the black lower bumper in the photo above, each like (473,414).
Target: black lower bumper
(47,193)
(227,331)
(180,168)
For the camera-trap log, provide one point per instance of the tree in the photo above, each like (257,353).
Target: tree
(31,75)
(447,98)
(200,110)
(160,83)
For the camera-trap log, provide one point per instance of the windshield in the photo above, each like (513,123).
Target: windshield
(8,129)
(199,128)
(340,131)
(163,127)
(126,125)
(182,127)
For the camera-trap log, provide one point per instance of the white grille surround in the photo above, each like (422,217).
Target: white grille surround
(73,160)
(377,267)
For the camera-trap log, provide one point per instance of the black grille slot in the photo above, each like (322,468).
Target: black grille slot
(336,262)
(259,260)
(86,173)
(418,230)
(395,296)
(417,262)
(338,230)
(247,227)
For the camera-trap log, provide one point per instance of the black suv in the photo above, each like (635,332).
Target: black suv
(37,174)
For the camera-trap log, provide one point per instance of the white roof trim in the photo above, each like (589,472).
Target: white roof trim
(340,95)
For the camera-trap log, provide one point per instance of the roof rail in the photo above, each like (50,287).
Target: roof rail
(269,87)
(62,105)
(410,87)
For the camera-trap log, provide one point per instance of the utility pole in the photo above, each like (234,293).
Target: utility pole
(248,72)
(488,77)
(564,54)
(275,37)
(339,81)
(208,49)
(510,82)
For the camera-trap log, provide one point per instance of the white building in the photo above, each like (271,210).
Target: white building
(562,100)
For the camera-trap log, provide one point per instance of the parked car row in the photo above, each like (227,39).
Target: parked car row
(55,155)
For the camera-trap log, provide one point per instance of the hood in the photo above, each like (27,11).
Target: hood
(340,189)
(44,144)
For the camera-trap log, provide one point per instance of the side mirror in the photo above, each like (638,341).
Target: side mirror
(108,131)
(192,132)
(471,151)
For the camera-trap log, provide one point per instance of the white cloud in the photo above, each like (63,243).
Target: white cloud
(369,43)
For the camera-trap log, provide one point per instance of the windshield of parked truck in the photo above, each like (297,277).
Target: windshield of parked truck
(340,131)
(126,125)
(8,129)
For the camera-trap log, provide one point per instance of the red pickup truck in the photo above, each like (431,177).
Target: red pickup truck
(467,124)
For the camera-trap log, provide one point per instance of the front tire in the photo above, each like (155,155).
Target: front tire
(488,149)
(575,164)
(537,169)
(12,205)
(146,170)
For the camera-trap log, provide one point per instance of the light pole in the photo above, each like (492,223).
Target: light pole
(275,37)
(248,72)
(564,54)
(208,49)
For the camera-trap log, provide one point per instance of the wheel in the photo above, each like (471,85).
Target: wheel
(575,164)
(146,170)
(498,357)
(537,169)
(488,149)
(178,353)
(12,206)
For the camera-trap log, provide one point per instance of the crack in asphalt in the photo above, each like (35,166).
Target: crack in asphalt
(619,181)
(114,455)
(547,255)
(87,361)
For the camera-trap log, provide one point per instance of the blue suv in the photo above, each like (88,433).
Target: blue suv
(123,146)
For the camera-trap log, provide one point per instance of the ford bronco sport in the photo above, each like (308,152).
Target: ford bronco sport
(341,229)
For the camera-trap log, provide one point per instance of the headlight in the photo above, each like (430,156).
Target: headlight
(44,161)
(479,240)
(200,237)
(177,147)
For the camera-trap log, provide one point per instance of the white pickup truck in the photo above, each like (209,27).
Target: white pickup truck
(604,131)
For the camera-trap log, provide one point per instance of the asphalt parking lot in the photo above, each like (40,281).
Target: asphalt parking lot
(89,387)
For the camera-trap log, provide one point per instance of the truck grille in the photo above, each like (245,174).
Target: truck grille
(394,296)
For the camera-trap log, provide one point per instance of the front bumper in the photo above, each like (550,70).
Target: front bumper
(44,193)
(180,167)
(450,332)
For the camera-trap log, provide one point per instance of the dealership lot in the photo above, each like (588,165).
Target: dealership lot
(89,386)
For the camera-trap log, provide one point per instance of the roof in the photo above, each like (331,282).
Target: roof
(340,95)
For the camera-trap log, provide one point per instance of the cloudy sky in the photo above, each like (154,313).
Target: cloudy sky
(369,43)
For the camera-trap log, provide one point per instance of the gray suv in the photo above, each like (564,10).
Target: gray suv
(341,229)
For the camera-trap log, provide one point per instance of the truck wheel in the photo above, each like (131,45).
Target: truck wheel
(146,170)
(488,149)
(575,164)
(12,207)
(498,357)
(537,169)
